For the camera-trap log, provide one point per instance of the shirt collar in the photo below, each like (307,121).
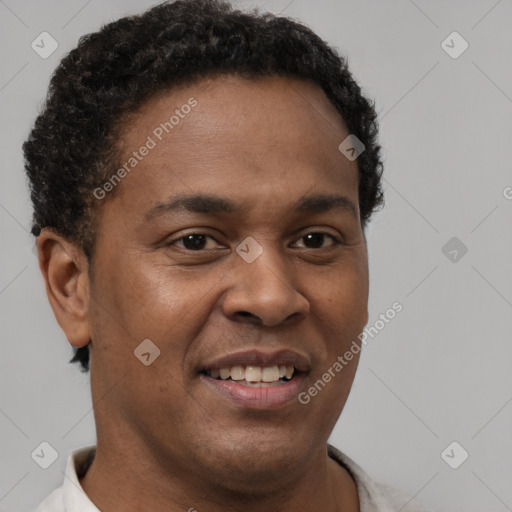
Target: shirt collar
(75,499)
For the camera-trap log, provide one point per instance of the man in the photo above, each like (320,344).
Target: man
(202,179)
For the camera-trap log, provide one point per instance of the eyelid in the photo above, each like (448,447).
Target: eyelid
(184,235)
(336,239)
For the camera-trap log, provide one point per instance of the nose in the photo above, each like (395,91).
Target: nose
(264,292)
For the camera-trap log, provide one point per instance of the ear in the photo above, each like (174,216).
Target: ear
(65,271)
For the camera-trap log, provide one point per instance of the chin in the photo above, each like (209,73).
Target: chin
(238,462)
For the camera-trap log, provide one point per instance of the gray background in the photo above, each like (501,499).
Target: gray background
(441,371)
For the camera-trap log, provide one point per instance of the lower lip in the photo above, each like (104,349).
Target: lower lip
(271,397)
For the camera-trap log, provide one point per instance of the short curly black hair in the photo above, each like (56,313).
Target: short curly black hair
(71,149)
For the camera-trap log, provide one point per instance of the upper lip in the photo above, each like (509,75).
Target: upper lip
(260,358)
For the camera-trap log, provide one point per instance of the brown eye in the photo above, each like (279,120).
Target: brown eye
(314,240)
(192,241)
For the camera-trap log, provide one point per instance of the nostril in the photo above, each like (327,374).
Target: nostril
(247,316)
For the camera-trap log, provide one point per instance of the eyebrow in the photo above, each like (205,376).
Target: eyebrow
(212,204)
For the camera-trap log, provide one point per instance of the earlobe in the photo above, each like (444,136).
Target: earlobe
(65,271)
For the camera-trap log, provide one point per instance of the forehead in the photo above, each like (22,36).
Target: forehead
(268,141)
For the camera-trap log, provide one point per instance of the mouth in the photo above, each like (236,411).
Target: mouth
(257,380)
(254,376)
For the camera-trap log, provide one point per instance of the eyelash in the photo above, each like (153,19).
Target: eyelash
(172,242)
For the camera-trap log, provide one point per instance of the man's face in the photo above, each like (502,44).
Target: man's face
(290,294)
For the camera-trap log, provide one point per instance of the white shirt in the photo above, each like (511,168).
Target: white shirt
(373,496)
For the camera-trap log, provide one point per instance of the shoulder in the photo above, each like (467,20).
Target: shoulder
(395,499)
(70,495)
(374,496)
(52,503)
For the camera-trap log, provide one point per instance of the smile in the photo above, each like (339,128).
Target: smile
(254,376)
(255,394)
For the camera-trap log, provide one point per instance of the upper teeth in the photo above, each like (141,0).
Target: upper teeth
(254,373)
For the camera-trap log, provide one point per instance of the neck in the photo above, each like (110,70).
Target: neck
(132,480)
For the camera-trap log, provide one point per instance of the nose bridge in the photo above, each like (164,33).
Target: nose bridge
(264,286)
(268,274)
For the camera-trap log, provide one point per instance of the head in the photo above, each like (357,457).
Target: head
(246,110)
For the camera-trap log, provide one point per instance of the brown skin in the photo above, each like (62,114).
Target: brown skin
(165,440)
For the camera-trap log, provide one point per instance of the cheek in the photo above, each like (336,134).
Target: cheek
(341,315)
(150,300)
(345,293)
(135,304)
(141,300)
